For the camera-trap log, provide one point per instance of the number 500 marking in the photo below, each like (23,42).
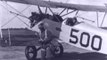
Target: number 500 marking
(87,39)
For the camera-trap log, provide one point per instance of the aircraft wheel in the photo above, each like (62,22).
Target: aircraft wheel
(31,52)
(57,51)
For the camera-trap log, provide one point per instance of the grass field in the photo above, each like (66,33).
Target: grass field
(70,53)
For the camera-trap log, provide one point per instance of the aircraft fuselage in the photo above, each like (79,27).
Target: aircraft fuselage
(81,35)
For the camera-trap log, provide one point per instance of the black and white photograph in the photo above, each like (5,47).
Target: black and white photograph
(53,29)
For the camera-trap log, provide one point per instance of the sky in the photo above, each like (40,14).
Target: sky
(16,21)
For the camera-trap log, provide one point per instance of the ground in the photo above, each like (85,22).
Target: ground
(70,53)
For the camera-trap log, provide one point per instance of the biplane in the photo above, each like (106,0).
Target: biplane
(69,30)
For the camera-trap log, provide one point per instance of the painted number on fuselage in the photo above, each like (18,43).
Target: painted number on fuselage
(88,39)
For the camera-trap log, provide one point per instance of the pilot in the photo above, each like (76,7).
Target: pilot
(45,38)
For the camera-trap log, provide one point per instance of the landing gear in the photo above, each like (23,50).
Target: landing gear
(31,52)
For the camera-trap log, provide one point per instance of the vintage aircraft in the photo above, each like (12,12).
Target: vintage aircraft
(79,34)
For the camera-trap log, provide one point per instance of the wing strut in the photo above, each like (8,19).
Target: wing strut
(62,11)
(103,19)
(46,10)
(77,13)
(54,14)
(68,13)
(97,20)
(40,11)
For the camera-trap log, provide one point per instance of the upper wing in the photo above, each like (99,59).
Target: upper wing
(31,2)
(79,7)
(62,5)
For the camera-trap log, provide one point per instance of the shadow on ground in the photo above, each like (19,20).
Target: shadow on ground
(81,56)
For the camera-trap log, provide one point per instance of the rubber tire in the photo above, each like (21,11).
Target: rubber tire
(34,53)
(61,51)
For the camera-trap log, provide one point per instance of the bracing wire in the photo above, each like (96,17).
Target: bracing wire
(16,9)
(15,15)
(23,21)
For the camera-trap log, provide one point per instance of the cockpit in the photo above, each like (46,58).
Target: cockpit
(71,21)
